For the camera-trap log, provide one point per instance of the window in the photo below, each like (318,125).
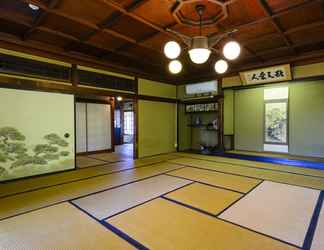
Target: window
(128,123)
(117,123)
(276,119)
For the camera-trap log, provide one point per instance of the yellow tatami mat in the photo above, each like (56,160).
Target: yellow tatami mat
(24,185)
(161,224)
(206,198)
(84,162)
(58,227)
(318,241)
(254,164)
(232,182)
(20,203)
(279,210)
(294,179)
(108,157)
(108,203)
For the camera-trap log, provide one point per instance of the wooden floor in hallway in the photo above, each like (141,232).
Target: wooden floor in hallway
(172,201)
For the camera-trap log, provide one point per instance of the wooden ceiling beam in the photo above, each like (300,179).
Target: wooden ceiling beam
(95,28)
(127,56)
(304,27)
(140,19)
(40,18)
(266,8)
(112,19)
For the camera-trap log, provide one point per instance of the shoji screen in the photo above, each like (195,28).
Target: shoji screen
(93,127)
(81,127)
(99,126)
(36,133)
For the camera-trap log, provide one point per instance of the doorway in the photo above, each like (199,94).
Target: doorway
(124,128)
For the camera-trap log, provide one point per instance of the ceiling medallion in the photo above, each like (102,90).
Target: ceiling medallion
(220,12)
(200,47)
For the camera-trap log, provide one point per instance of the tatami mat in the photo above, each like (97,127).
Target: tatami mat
(84,162)
(24,185)
(105,204)
(206,198)
(58,227)
(294,179)
(254,164)
(232,182)
(279,210)
(161,224)
(318,241)
(24,202)
(109,157)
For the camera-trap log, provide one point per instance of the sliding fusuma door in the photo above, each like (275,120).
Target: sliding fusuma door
(93,127)
(36,133)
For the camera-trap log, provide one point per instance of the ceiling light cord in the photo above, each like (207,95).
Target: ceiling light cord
(200,24)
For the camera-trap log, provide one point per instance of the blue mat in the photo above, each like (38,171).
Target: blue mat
(282,161)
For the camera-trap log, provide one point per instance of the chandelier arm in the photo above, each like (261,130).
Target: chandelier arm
(216,51)
(213,40)
(186,39)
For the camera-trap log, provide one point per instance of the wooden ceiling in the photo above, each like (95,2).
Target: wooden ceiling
(129,35)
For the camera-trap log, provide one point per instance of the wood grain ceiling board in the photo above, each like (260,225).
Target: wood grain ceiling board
(157,11)
(12,28)
(66,26)
(243,11)
(91,11)
(256,31)
(132,28)
(106,40)
(308,15)
(48,38)
(279,5)
(308,35)
(266,44)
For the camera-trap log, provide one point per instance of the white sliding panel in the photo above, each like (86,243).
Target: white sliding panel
(81,127)
(99,126)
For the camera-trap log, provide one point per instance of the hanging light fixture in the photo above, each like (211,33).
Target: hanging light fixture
(199,52)
(200,47)
(232,50)
(221,66)
(172,50)
(175,67)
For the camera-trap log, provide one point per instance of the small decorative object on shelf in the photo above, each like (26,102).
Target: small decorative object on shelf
(208,107)
(198,121)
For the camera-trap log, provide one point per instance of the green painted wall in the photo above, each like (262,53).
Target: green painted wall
(157,128)
(249,119)
(306,117)
(152,88)
(228,112)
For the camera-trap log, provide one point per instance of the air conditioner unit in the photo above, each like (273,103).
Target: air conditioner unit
(202,89)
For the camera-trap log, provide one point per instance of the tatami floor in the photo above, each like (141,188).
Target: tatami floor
(173,201)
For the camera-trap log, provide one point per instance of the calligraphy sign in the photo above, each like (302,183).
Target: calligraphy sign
(267,75)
